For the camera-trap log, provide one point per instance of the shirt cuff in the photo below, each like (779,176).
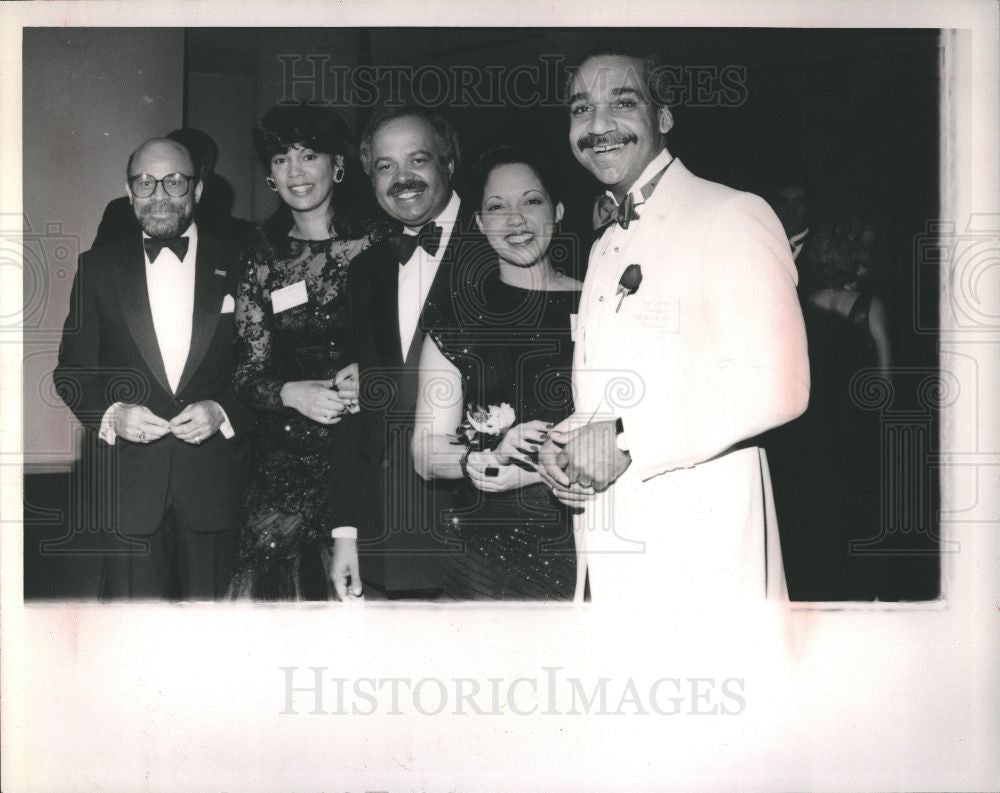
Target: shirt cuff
(225,428)
(344,533)
(107,432)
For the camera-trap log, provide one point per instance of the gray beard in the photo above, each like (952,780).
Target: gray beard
(164,228)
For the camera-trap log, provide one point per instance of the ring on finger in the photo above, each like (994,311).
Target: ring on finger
(142,436)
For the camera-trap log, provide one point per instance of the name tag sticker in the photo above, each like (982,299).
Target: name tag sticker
(289,297)
(659,315)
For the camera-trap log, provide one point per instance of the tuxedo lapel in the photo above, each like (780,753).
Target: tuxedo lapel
(133,298)
(210,287)
(385,307)
(459,246)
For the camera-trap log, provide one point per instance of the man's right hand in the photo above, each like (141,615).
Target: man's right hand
(138,424)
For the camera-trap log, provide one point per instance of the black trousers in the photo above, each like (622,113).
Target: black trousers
(177,563)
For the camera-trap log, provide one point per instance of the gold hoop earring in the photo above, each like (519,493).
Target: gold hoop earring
(338,174)
(271,184)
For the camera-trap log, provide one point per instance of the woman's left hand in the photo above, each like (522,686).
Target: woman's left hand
(486,473)
(346,384)
(344,570)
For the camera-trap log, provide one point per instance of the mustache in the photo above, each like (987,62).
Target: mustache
(589,140)
(163,205)
(402,187)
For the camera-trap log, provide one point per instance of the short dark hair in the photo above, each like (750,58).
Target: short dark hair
(655,78)
(444,133)
(514,154)
(834,252)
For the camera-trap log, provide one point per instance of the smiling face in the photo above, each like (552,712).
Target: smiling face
(160,215)
(411,182)
(517,215)
(615,130)
(304,178)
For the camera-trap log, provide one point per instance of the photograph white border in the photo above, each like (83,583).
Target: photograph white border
(893,697)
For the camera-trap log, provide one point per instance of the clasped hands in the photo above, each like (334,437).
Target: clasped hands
(324,401)
(494,471)
(579,462)
(197,422)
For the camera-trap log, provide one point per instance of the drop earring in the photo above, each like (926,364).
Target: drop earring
(271,184)
(338,174)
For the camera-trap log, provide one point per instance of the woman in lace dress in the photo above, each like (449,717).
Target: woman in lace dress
(504,339)
(299,540)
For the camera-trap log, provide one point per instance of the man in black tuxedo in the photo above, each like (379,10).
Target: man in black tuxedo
(410,156)
(146,363)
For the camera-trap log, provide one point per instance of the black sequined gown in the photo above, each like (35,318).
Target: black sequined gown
(302,483)
(511,345)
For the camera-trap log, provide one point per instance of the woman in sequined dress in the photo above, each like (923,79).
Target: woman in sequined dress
(505,338)
(293,366)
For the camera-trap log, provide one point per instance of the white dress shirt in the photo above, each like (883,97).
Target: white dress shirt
(170,283)
(417,275)
(170,286)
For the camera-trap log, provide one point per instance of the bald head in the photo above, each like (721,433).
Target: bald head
(156,147)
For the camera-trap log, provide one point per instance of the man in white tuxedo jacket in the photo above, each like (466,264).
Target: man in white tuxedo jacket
(689,343)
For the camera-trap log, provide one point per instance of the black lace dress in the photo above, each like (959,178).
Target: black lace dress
(510,345)
(302,482)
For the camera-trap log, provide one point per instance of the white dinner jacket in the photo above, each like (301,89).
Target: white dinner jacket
(709,352)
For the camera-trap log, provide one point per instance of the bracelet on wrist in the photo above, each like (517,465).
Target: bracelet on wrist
(463,462)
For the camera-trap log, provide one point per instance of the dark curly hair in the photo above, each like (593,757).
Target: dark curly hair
(513,154)
(834,252)
(324,131)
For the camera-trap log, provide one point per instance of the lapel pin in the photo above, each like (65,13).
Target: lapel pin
(220,272)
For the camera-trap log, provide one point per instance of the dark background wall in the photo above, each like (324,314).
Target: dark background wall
(854,112)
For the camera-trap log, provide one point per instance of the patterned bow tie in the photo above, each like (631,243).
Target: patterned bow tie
(607,209)
(428,238)
(179,245)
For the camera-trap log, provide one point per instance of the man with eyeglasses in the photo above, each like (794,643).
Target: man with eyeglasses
(146,363)
(689,342)
(212,212)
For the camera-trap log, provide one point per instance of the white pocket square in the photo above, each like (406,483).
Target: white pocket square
(228,305)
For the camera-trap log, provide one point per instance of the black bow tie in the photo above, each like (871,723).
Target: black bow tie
(179,245)
(428,238)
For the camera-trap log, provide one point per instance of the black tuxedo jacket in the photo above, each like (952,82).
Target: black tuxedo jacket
(400,514)
(109,353)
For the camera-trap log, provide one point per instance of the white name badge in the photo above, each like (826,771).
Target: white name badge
(289,297)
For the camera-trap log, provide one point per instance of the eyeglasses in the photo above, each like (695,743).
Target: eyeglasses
(174,184)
